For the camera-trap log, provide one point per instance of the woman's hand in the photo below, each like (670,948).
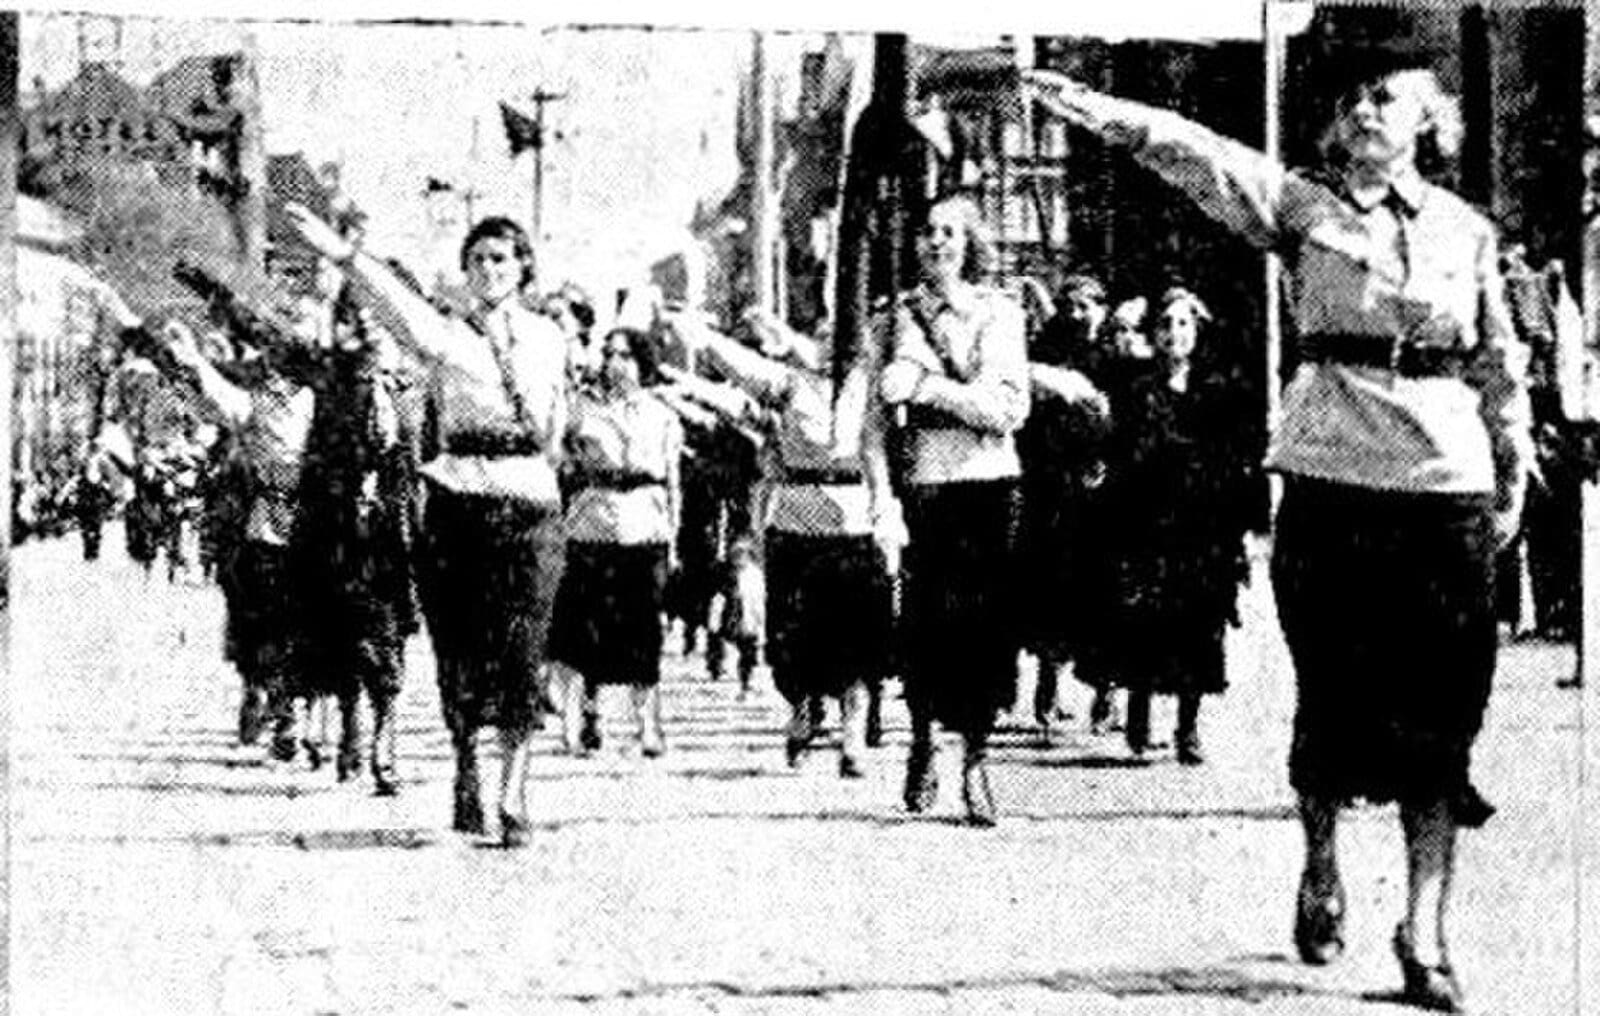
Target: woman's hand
(318,234)
(1054,90)
(900,381)
(183,344)
(1508,515)
(773,334)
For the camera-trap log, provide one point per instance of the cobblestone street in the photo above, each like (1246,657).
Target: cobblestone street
(158,868)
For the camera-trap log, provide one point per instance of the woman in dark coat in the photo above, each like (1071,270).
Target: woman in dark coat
(1178,544)
(351,546)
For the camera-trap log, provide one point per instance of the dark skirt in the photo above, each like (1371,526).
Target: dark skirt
(829,613)
(261,616)
(488,569)
(1054,566)
(608,613)
(1387,604)
(960,598)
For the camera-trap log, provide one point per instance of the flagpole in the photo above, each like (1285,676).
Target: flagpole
(541,98)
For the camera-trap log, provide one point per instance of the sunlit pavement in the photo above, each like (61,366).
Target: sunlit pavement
(158,868)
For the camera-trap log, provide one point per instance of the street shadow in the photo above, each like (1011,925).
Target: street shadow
(1237,981)
(1077,761)
(282,839)
(290,791)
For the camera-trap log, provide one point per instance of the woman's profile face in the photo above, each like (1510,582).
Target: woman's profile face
(493,270)
(942,244)
(1379,120)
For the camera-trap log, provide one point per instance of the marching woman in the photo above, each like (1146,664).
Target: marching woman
(1179,534)
(829,607)
(623,448)
(492,549)
(955,378)
(1403,446)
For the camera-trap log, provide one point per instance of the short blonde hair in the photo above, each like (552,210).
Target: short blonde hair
(983,252)
(1440,133)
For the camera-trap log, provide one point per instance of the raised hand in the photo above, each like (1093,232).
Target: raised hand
(318,234)
(182,343)
(1052,89)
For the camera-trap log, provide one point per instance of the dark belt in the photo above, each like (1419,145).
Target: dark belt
(491,444)
(1407,359)
(612,479)
(823,477)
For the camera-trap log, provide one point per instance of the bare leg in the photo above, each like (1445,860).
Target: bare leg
(1319,918)
(513,803)
(797,735)
(348,761)
(468,816)
(853,729)
(647,709)
(1430,834)
(385,779)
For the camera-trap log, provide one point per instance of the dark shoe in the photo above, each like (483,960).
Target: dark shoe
(794,748)
(347,765)
(1189,752)
(850,768)
(1432,988)
(284,749)
(874,724)
(1469,809)
(1319,925)
(252,715)
(384,783)
(468,816)
(514,831)
(313,754)
(922,779)
(653,745)
(976,794)
(590,737)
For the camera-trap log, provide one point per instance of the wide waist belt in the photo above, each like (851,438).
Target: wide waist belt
(491,444)
(823,477)
(1407,359)
(612,479)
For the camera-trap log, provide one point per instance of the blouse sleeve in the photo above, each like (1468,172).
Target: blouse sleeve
(1244,190)
(1498,371)
(997,398)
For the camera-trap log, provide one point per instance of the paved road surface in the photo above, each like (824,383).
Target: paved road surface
(158,868)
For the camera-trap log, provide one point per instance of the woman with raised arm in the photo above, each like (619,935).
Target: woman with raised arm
(829,534)
(623,448)
(1403,446)
(269,416)
(955,378)
(492,546)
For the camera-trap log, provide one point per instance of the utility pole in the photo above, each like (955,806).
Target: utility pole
(541,98)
